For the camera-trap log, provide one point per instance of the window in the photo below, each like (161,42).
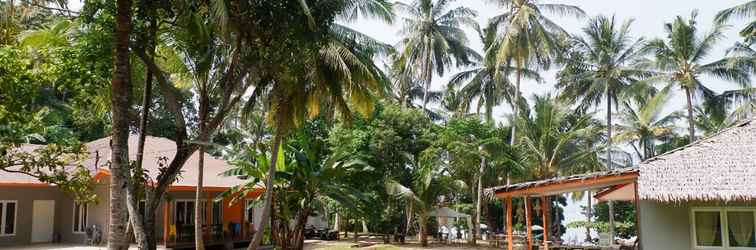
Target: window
(80,217)
(184,212)
(8,218)
(740,225)
(217,213)
(724,227)
(215,210)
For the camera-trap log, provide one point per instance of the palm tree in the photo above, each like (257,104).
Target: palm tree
(642,124)
(530,40)
(481,81)
(408,88)
(555,139)
(604,64)
(341,72)
(433,38)
(724,110)
(745,10)
(680,57)
(427,185)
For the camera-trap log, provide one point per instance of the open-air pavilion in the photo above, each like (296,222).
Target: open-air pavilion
(700,196)
(614,186)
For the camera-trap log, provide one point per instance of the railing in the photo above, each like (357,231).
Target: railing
(211,234)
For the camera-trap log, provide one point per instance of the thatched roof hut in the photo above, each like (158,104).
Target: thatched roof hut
(718,168)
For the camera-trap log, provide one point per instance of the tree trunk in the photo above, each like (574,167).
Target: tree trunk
(268,190)
(198,216)
(589,214)
(337,222)
(409,220)
(691,118)
(611,222)
(423,231)
(478,202)
(428,74)
(609,158)
(137,227)
(120,104)
(609,162)
(199,243)
(515,107)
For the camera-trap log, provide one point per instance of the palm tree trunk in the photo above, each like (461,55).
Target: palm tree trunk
(409,220)
(198,218)
(589,214)
(611,221)
(608,130)
(199,243)
(428,74)
(121,100)
(423,231)
(515,111)
(691,121)
(609,157)
(268,189)
(478,202)
(515,107)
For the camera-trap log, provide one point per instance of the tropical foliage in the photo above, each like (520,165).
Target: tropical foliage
(336,123)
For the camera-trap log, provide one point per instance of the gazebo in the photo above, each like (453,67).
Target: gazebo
(699,196)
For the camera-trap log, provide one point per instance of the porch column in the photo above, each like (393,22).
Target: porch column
(529,221)
(637,216)
(510,237)
(166,221)
(545,207)
(242,219)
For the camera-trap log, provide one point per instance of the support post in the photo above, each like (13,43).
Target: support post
(529,221)
(545,207)
(510,238)
(637,216)
(166,221)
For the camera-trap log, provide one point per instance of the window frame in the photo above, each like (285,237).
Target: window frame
(175,210)
(82,227)
(724,224)
(4,214)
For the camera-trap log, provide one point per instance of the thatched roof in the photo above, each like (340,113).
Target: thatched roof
(718,168)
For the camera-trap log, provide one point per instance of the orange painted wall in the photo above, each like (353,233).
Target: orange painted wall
(235,212)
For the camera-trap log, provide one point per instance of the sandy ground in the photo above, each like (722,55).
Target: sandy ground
(309,245)
(346,244)
(63,247)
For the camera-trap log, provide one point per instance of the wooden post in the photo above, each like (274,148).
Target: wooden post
(637,217)
(529,221)
(242,221)
(546,213)
(166,221)
(510,238)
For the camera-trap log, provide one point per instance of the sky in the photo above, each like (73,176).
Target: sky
(648,17)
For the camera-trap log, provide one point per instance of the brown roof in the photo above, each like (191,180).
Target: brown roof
(721,167)
(565,184)
(155,148)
